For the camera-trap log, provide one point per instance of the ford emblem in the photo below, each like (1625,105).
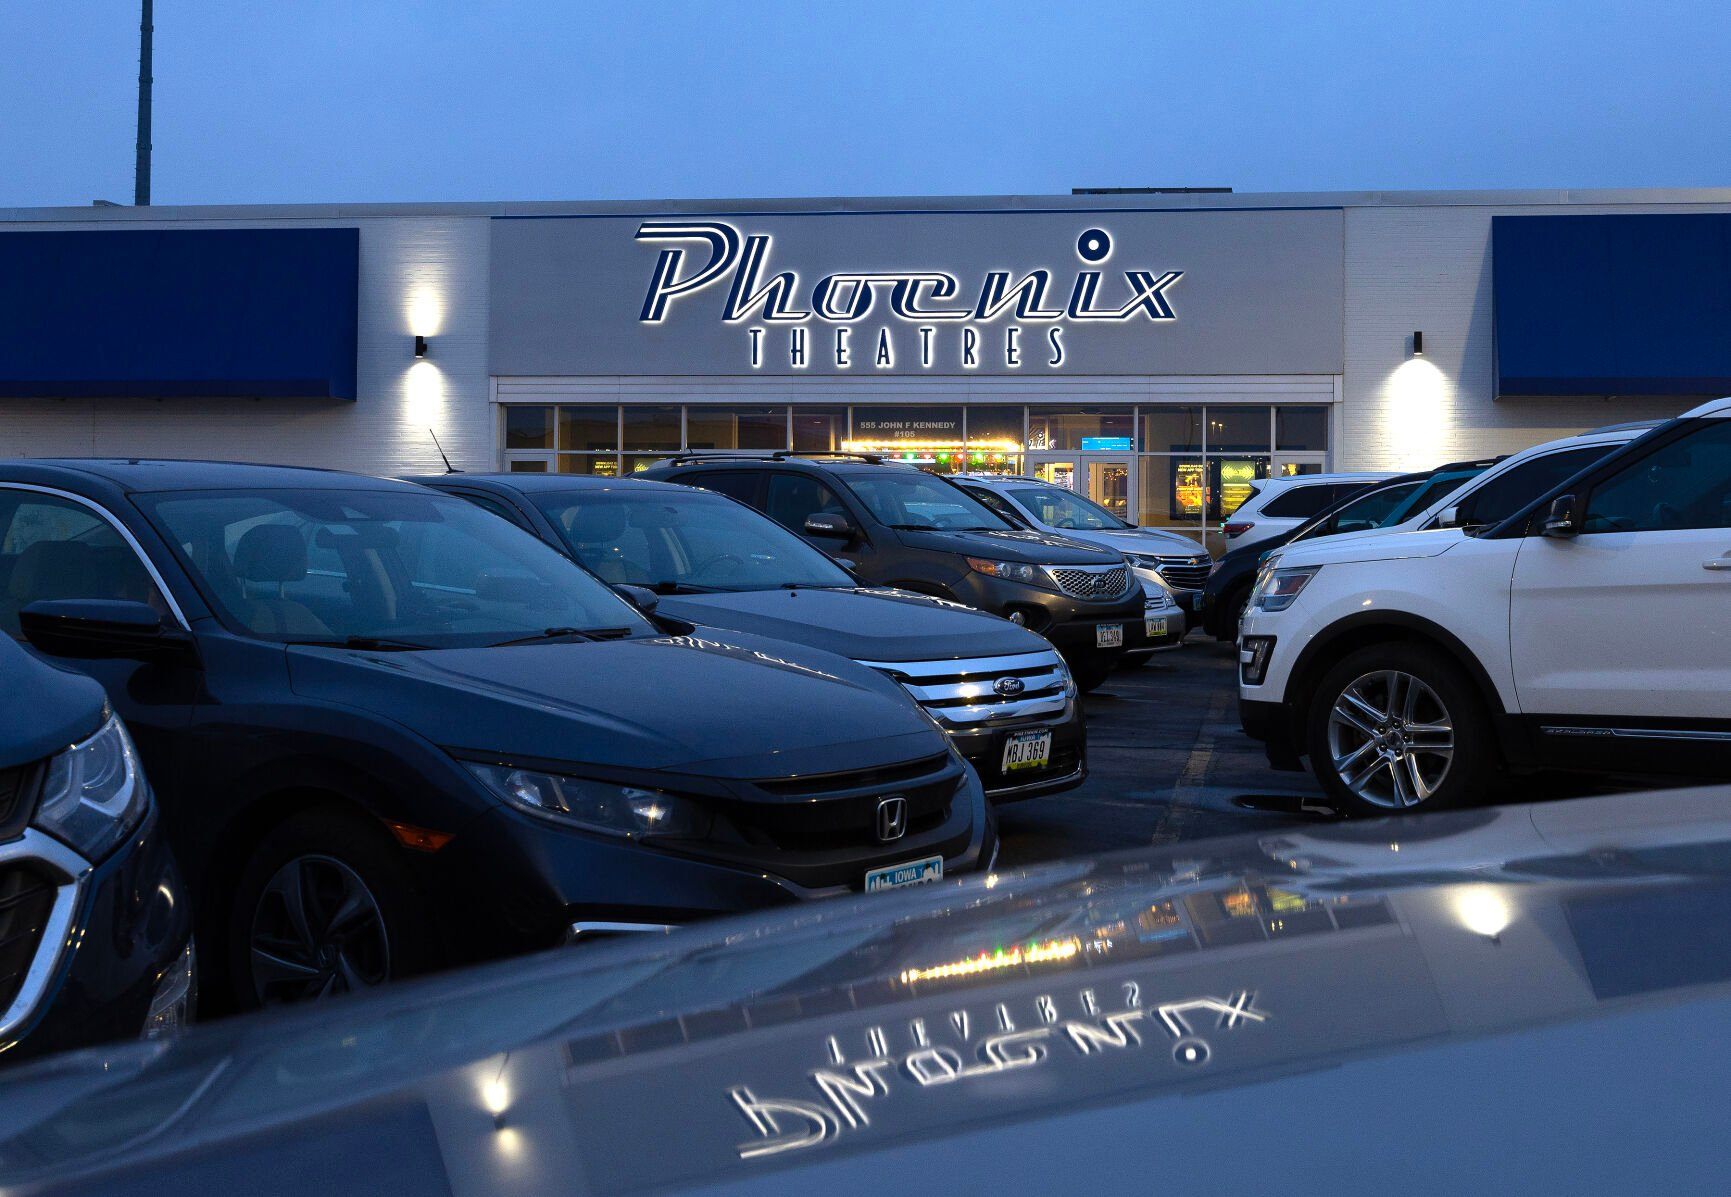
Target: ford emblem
(1008,687)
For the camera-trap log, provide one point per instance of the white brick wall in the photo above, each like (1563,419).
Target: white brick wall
(441,262)
(1428,268)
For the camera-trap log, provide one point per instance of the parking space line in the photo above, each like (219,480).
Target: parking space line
(1194,777)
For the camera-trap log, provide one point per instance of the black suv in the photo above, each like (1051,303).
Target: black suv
(392,732)
(95,930)
(898,525)
(999,690)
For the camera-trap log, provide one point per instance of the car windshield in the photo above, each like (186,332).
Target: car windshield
(400,567)
(1434,489)
(1374,510)
(1059,508)
(910,499)
(674,540)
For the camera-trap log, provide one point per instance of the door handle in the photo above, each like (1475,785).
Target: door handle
(1717,563)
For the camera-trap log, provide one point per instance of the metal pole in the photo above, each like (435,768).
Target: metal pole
(141,171)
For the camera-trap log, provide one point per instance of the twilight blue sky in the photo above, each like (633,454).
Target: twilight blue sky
(305,100)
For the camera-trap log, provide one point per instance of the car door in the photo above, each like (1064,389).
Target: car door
(790,497)
(1626,626)
(54,545)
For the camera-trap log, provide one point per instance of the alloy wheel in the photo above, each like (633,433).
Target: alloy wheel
(317,932)
(1391,739)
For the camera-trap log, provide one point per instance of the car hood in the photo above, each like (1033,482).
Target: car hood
(712,703)
(1035,548)
(44,708)
(1137,540)
(1554,978)
(1374,545)
(864,624)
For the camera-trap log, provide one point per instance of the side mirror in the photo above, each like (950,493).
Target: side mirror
(1561,521)
(826,524)
(1450,517)
(102,629)
(643,599)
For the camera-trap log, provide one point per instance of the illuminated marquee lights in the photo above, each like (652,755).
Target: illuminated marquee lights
(1036,952)
(925,299)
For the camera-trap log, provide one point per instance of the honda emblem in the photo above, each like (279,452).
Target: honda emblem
(892,818)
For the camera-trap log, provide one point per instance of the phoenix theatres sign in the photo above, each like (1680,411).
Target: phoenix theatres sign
(867,319)
(803,290)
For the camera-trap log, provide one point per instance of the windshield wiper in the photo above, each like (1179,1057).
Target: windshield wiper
(376,643)
(916,527)
(564,634)
(682,588)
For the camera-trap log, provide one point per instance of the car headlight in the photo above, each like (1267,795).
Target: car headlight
(1142,560)
(1010,571)
(602,806)
(95,792)
(1276,589)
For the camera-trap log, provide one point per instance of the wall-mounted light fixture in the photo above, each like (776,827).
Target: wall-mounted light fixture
(420,345)
(1418,344)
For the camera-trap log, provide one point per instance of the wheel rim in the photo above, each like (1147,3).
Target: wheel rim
(317,932)
(1392,739)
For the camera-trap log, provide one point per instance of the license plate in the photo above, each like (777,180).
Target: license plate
(1108,635)
(914,872)
(1153,628)
(1027,750)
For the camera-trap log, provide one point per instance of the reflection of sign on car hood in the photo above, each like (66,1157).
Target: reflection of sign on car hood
(756,654)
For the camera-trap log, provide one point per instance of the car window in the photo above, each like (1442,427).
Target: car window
(490,504)
(1685,484)
(1364,513)
(1508,492)
(790,498)
(684,542)
(1057,507)
(996,502)
(321,566)
(53,548)
(1433,490)
(912,500)
(1301,502)
(735,484)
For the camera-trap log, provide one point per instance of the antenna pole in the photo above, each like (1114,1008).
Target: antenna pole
(449,468)
(141,168)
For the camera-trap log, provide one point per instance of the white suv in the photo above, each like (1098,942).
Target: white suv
(1589,627)
(1280,504)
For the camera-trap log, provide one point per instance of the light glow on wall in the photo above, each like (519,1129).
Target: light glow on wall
(424,395)
(1416,400)
(426,312)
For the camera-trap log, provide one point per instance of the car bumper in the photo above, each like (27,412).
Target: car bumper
(130,925)
(513,883)
(1163,628)
(1070,624)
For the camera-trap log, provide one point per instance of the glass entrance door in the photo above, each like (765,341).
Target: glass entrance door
(1106,478)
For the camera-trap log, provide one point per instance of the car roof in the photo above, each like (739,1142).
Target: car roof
(157,474)
(542,484)
(816,463)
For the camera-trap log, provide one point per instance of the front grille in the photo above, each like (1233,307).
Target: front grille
(839,810)
(26,899)
(974,690)
(1091,582)
(17,793)
(1184,573)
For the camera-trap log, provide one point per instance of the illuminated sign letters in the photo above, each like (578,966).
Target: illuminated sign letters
(920,316)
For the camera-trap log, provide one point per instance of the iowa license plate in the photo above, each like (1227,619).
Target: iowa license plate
(1108,635)
(914,872)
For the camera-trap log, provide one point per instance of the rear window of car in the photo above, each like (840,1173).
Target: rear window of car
(1302,502)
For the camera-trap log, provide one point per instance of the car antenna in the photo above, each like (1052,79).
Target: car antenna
(449,468)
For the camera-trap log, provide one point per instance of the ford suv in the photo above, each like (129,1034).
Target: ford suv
(897,525)
(1001,692)
(1576,626)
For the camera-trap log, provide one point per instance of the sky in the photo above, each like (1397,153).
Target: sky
(406,100)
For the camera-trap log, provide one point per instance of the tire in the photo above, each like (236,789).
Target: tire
(1437,750)
(1232,611)
(1091,672)
(360,922)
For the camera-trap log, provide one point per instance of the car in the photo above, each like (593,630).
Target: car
(1164,624)
(1276,505)
(897,525)
(392,732)
(95,926)
(1166,559)
(1562,611)
(1001,692)
(1381,505)
(1536,970)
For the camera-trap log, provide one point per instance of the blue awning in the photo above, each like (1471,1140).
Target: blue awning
(161,313)
(1612,305)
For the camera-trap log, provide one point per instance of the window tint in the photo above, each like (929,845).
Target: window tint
(912,499)
(1514,488)
(1368,511)
(996,502)
(489,504)
(1435,489)
(1687,484)
(735,484)
(792,497)
(1301,502)
(53,548)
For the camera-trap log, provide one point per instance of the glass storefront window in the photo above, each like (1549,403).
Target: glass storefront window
(1301,428)
(636,463)
(602,465)
(1087,428)
(819,429)
(652,428)
(755,428)
(1172,430)
(1238,428)
(529,427)
(588,428)
(532,466)
(1230,478)
(1173,493)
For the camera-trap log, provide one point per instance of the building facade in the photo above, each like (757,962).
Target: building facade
(1158,353)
